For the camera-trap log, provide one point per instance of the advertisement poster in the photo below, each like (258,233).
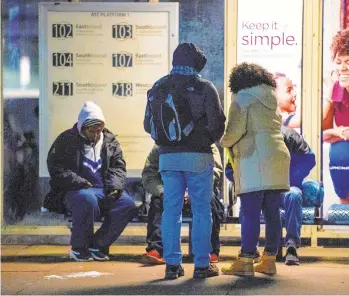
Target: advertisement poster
(272,39)
(111,58)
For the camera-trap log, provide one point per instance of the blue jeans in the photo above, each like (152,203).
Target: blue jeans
(200,186)
(88,206)
(292,204)
(252,204)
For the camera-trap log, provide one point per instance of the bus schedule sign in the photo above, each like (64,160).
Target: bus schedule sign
(109,53)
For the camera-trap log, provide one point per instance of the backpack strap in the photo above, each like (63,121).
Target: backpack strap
(288,119)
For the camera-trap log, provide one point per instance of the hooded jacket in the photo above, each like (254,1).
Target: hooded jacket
(64,161)
(261,159)
(204,102)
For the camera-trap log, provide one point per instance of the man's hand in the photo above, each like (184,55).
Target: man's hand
(86,184)
(115,194)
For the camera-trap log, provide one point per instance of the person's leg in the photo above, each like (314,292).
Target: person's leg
(200,187)
(122,211)
(154,249)
(216,226)
(174,188)
(250,210)
(271,209)
(292,204)
(154,239)
(83,205)
(250,213)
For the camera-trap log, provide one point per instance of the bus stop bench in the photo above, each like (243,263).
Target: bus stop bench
(338,214)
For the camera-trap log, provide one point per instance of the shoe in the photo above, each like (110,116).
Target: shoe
(154,257)
(214,258)
(173,272)
(243,266)
(105,250)
(205,272)
(98,255)
(80,255)
(291,255)
(266,265)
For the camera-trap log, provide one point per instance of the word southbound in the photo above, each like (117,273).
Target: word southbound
(265,34)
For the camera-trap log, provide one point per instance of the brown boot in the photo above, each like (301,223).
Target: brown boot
(243,266)
(266,265)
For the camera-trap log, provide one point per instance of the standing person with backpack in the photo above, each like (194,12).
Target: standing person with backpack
(151,179)
(185,117)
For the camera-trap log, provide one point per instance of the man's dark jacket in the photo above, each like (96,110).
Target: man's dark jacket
(64,163)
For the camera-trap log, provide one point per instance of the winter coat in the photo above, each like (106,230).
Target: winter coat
(260,157)
(64,164)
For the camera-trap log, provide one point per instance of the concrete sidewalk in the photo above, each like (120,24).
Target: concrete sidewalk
(47,270)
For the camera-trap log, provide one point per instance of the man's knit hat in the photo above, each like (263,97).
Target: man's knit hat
(90,122)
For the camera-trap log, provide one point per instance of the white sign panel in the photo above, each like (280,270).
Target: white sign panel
(111,54)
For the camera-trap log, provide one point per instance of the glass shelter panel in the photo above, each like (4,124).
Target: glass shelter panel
(335,117)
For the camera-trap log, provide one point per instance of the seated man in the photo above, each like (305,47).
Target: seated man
(151,179)
(88,175)
(302,162)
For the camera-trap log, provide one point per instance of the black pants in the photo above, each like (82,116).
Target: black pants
(154,239)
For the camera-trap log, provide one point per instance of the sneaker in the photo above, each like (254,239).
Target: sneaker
(173,272)
(80,255)
(214,258)
(291,255)
(205,272)
(98,255)
(154,257)
(105,250)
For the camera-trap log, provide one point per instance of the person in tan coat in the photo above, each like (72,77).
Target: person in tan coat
(260,160)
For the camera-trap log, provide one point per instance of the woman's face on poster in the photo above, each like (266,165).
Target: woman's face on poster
(342,69)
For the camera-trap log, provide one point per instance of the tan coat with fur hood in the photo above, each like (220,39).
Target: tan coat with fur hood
(260,157)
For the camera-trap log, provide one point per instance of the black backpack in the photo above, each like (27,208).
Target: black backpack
(171,120)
